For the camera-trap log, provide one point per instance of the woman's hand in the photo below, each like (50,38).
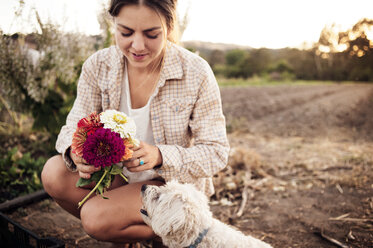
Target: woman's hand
(148,154)
(85,170)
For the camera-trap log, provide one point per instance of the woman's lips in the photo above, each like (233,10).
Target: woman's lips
(138,56)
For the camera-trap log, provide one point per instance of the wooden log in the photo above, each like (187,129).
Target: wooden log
(23,200)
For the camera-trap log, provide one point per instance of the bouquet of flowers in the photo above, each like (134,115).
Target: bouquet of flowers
(104,140)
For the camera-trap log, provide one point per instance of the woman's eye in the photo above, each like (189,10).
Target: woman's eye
(152,36)
(126,34)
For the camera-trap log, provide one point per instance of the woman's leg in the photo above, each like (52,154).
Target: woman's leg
(59,183)
(117,219)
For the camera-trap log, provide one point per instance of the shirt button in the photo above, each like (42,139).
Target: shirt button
(160,171)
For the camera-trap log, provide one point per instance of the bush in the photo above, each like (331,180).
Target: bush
(39,79)
(20,174)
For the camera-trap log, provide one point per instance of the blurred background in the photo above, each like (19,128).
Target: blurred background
(296,80)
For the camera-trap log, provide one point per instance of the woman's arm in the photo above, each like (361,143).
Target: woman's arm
(209,153)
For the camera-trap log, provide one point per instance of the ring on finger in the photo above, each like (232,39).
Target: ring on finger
(141,162)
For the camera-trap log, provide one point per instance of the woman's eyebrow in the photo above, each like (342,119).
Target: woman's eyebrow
(123,26)
(146,30)
(152,29)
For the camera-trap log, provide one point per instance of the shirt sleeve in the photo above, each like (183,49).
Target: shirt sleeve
(209,153)
(87,101)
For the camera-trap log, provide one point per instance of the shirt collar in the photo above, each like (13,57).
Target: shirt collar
(172,68)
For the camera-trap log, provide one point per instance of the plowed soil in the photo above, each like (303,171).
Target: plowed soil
(300,173)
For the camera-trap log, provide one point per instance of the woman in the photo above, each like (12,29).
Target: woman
(173,96)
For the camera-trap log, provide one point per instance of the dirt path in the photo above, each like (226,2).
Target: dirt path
(302,156)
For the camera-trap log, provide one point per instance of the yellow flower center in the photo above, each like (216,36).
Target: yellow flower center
(120,119)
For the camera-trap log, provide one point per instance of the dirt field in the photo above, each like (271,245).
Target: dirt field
(300,172)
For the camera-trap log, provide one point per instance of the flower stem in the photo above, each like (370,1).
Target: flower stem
(124,177)
(93,190)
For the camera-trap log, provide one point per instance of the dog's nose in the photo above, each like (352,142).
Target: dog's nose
(143,187)
(143,211)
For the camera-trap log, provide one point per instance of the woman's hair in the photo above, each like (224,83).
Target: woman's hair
(165,8)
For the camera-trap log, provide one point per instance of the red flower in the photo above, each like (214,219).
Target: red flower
(103,148)
(86,127)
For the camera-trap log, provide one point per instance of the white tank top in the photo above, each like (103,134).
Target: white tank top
(144,130)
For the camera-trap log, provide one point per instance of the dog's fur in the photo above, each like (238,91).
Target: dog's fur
(178,213)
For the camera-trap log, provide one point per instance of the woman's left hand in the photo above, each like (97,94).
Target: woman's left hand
(145,157)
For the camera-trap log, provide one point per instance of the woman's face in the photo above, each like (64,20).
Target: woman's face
(140,36)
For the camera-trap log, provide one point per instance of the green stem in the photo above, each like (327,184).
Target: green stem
(93,190)
(124,177)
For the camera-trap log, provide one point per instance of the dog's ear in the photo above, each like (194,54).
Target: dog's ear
(177,222)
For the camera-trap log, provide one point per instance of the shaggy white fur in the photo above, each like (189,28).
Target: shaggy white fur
(179,213)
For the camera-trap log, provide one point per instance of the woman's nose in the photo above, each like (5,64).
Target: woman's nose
(138,43)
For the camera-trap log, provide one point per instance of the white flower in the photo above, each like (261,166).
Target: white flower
(135,142)
(119,122)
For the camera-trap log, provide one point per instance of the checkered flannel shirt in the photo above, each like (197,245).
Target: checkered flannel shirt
(186,113)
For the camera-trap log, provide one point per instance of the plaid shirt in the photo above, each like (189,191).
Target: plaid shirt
(186,113)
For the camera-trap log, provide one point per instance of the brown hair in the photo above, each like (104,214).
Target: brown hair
(165,8)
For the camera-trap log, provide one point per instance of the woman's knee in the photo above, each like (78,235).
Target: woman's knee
(52,176)
(93,222)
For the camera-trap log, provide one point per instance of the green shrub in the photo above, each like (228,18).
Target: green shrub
(20,174)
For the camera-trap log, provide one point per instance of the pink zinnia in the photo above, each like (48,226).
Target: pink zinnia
(103,148)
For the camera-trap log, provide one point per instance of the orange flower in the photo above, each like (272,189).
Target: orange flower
(127,152)
(79,138)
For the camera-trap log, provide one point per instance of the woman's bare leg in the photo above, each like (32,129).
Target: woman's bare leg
(117,219)
(59,183)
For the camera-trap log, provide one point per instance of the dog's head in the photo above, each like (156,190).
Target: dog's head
(176,212)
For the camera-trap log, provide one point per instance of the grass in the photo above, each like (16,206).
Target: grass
(257,81)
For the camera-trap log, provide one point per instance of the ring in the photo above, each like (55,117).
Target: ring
(141,161)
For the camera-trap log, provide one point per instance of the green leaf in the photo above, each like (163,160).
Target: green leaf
(106,181)
(100,189)
(116,169)
(97,176)
(13,171)
(83,182)
(35,178)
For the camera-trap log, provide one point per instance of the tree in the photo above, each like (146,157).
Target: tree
(237,63)
(217,57)
(346,55)
(260,60)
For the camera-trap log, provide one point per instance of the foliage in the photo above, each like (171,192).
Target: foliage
(216,58)
(337,56)
(237,64)
(38,74)
(267,81)
(20,174)
(348,54)
(106,27)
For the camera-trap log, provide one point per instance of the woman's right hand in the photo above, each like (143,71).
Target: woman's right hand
(85,170)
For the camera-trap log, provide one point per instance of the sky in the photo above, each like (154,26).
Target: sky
(259,23)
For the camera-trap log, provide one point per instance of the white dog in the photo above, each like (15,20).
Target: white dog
(180,215)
